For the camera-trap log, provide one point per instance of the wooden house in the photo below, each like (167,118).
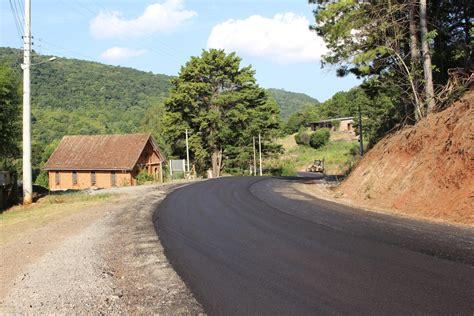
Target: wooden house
(103,161)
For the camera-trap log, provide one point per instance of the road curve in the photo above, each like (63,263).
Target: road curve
(249,245)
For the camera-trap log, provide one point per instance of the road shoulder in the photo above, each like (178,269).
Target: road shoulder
(323,190)
(106,258)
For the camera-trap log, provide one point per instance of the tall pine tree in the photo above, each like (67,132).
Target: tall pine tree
(222,106)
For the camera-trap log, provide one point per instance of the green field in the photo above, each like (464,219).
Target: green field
(339,157)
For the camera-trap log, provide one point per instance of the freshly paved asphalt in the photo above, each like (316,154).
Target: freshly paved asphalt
(250,245)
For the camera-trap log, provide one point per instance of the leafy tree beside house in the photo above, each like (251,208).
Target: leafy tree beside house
(42,178)
(222,106)
(9,117)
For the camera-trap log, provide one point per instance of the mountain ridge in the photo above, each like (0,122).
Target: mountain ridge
(90,83)
(291,102)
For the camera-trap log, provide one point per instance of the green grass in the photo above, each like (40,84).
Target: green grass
(51,206)
(334,153)
(337,156)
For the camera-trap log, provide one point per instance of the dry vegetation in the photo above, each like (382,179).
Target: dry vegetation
(19,219)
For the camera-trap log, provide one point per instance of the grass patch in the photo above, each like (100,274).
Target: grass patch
(338,155)
(287,142)
(48,209)
(276,167)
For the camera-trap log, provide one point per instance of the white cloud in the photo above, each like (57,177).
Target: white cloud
(156,18)
(285,38)
(119,53)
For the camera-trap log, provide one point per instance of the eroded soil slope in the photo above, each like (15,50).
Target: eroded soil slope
(426,170)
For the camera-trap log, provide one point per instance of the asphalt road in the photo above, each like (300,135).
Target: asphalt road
(250,245)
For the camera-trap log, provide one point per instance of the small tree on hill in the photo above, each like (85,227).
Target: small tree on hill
(303,137)
(319,138)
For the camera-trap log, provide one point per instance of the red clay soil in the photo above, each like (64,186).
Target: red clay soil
(425,170)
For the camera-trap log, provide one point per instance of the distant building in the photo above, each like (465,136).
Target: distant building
(341,124)
(102,161)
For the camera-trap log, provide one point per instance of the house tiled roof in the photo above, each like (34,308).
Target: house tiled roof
(99,152)
(333,119)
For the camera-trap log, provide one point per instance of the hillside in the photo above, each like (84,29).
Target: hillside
(101,98)
(72,96)
(290,102)
(426,170)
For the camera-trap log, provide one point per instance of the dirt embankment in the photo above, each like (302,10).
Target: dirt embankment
(426,170)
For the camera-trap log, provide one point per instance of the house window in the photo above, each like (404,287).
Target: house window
(113,178)
(57,178)
(74,177)
(93,179)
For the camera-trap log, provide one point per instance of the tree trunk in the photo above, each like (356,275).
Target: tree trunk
(415,58)
(428,74)
(216,162)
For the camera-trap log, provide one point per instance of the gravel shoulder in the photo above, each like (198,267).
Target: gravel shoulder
(321,189)
(105,258)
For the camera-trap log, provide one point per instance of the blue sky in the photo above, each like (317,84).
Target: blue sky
(160,36)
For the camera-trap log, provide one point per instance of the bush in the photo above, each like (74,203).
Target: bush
(43,179)
(279,167)
(144,177)
(302,138)
(319,138)
(283,168)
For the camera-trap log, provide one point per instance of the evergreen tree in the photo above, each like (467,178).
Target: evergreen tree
(393,42)
(221,105)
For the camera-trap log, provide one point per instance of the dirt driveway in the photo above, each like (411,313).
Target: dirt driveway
(102,258)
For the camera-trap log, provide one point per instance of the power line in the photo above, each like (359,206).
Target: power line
(18,13)
(16,20)
(56,47)
(21,9)
(163,44)
(163,51)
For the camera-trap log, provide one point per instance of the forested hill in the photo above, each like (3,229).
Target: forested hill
(74,84)
(291,102)
(72,96)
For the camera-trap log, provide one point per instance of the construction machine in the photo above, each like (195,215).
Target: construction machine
(316,166)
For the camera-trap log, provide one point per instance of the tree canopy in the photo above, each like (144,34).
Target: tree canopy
(221,105)
(9,115)
(398,44)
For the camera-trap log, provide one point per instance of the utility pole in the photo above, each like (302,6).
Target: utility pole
(187,151)
(260,152)
(360,133)
(254,158)
(27,178)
